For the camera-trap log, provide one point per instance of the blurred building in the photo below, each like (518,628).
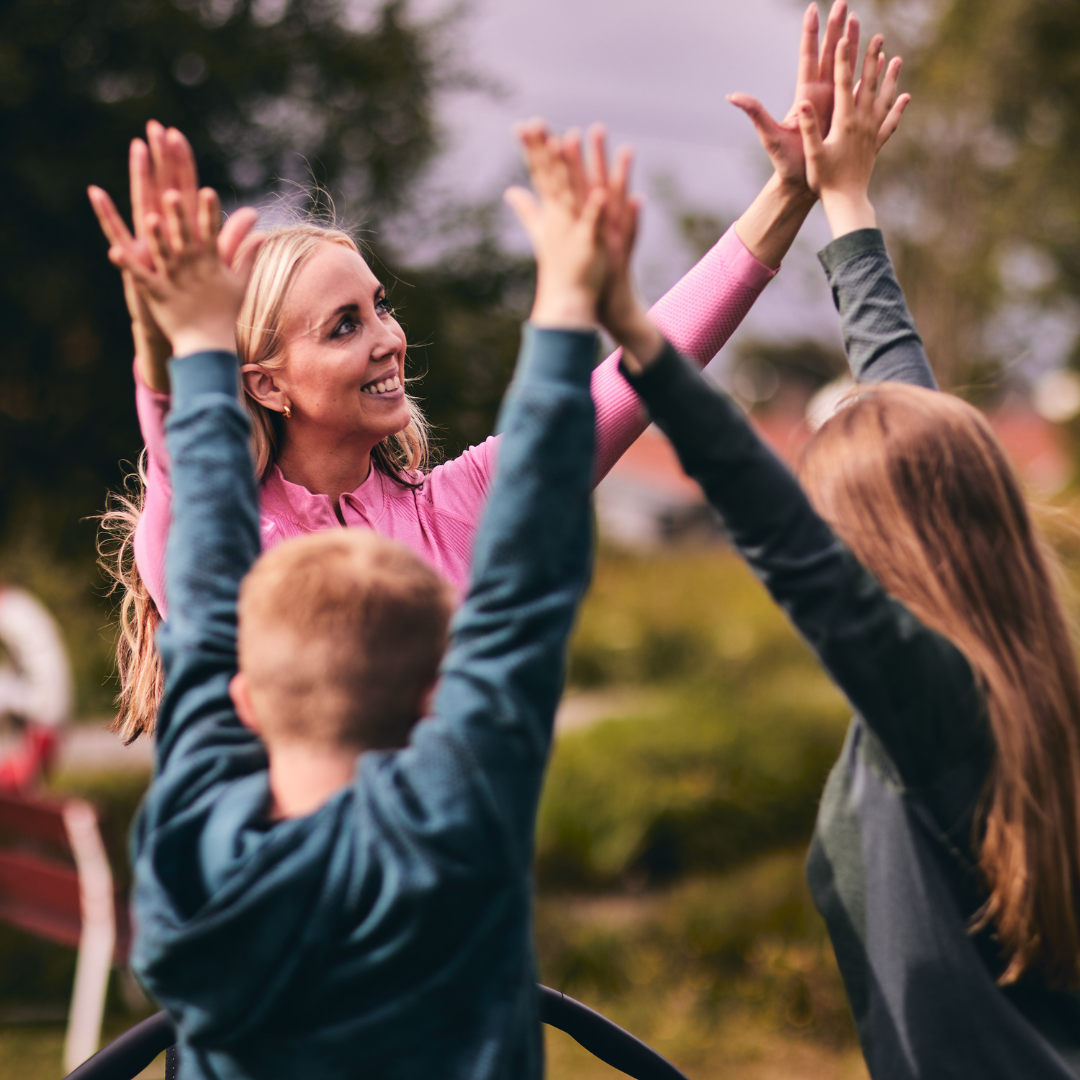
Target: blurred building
(647,501)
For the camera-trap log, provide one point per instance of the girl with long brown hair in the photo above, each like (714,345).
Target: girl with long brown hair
(946,856)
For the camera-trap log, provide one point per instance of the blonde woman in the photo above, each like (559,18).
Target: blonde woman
(337,440)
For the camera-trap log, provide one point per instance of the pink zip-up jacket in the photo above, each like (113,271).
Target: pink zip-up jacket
(438,520)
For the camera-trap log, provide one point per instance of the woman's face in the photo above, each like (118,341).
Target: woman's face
(344,370)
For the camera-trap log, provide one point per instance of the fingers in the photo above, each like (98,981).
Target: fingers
(112,224)
(575,167)
(808,46)
(160,161)
(871,70)
(844,91)
(178,224)
(246,261)
(233,233)
(892,121)
(889,86)
(852,33)
(598,174)
(619,184)
(182,169)
(810,129)
(537,149)
(209,218)
(834,31)
(145,197)
(527,207)
(593,209)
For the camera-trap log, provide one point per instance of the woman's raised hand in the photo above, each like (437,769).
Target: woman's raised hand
(191,293)
(563,217)
(815,83)
(163,162)
(839,164)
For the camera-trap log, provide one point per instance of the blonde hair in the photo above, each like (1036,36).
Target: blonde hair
(340,636)
(919,488)
(403,457)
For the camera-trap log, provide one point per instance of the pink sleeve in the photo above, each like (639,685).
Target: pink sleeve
(697,316)
(152,532)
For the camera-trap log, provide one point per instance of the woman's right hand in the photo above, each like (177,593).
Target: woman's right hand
(164,162)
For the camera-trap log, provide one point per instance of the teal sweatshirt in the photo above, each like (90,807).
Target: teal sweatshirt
(388,934)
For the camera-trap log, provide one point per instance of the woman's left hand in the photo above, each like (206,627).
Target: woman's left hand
(815,83)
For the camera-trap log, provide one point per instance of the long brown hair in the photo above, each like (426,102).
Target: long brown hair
(403,457)
(919,488)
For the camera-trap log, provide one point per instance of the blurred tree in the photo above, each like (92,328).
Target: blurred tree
(979,194)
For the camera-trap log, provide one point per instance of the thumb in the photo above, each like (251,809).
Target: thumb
(245,260)
(523,202)
(232,234)
(766,127)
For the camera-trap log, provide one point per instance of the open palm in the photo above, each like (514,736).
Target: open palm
(815,83)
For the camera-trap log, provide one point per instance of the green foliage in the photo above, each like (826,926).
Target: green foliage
(750,938)
(734,762)
(978,191)
(253,85)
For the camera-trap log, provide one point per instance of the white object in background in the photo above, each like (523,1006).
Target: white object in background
(97,939)
(1056,396)
(826,401)
(36,682)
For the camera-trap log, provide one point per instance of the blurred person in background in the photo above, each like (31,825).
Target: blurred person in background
(337,440)
(35,687)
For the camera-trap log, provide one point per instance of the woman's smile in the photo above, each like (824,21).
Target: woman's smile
(389,386)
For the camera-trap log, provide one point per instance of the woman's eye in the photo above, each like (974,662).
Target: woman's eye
(383,306)
(346,326)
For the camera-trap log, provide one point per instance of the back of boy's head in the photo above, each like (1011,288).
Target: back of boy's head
(340,637)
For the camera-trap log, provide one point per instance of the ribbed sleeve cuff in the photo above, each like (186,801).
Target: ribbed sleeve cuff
(215,372)
(558,355)
(848,246)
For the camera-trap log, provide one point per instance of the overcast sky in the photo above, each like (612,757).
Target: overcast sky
(656,72)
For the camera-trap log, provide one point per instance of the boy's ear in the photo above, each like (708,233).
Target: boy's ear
(241,699)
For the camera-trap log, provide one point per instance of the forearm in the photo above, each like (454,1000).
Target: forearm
(880,338)
(772,221)
(214,537)
(698,315)
(503,675)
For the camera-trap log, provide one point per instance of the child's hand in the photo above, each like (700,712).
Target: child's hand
(838,167)
(563,219)
(190,292)
(622,314)
(814,83)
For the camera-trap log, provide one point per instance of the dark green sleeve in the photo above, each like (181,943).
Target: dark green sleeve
(912,686)
(880,338)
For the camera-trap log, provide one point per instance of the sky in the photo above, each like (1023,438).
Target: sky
(656,72)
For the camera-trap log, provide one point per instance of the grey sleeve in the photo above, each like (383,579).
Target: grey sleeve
(880,338)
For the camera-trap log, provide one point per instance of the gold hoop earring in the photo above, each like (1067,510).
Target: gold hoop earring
(288,412)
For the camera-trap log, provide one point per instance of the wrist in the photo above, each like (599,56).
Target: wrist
(848,211)
(642,343)
(564,309)
(204,339)
(773,220)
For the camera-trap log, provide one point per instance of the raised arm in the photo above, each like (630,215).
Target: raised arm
(880,338)
(195,298)
(912,686)
(487,745)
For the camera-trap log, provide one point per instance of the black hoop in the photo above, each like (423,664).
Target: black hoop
(125,1057)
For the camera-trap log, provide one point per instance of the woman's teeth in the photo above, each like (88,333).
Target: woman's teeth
(393,383)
